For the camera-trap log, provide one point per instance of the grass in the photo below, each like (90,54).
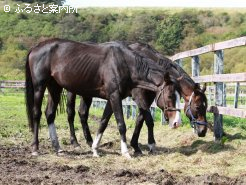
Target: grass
(179,151)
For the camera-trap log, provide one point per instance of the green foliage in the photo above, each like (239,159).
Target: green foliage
(168,31)
(169,34)
(224,139)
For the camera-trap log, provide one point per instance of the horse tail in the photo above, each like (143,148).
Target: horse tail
(29,94)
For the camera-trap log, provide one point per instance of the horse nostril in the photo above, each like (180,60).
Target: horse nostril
(175,125)
(202,133)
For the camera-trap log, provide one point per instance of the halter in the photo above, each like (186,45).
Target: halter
(165,108)
(193,119)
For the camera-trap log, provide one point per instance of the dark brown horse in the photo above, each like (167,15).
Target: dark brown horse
(194,96)
(195,103)
(107,71)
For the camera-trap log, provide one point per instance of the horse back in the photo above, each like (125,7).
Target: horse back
(82,68)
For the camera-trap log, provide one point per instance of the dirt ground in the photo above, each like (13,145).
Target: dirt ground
(17,166)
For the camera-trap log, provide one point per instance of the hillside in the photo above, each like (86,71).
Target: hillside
(169,31)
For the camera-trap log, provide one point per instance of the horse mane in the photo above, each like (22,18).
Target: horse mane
(167,64)
(141,66)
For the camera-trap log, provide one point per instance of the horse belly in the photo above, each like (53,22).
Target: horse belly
(81,82)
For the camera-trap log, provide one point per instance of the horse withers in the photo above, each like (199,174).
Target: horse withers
(107,71)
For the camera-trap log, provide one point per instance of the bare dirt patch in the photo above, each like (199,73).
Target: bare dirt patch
(17,166)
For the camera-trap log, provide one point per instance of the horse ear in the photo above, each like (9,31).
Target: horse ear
(167,78)
(197,88)
(204,87)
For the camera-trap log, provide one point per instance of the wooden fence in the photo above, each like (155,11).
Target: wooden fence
(218,92)
(13,84)
(218,78)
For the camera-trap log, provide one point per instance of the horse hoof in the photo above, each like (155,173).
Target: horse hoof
(152,148)
(89,143)
(77,148)
(35,153)
(60,152)
(127,155)
(95,153)
(137,151)
(151,152)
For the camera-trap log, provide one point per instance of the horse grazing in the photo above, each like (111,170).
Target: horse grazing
(193,95)
(168,100)
(107,71)
(195,102)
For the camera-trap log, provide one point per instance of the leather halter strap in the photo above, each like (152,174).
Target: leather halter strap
(193,119)
(165,108)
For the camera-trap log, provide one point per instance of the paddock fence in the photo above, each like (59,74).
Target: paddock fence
(219,107)
(226,97)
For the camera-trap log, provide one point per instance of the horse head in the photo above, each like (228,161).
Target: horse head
(195,110)
(168,99)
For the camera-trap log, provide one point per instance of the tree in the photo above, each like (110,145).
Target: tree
(169,34)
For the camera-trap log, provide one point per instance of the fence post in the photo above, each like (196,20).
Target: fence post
(128,108)
(224,94)
(218,118)
(179,62)
(209,96)
(163,120)
(236,95)
(134,110)
(195,65)
(152,111)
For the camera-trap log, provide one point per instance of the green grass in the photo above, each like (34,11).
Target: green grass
(179,151)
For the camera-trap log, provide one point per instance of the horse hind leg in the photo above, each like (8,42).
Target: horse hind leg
(84,107)
(53,100)
(38,98)
(102,126)
(71,114)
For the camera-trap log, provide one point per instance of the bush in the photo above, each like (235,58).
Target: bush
(169,34)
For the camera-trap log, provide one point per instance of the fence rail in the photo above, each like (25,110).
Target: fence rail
(12,84)
(210,48)
(218,78)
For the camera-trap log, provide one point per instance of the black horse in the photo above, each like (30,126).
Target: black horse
(108,71)
(195,103)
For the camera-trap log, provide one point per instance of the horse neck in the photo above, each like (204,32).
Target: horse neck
(187,89)
(186,83)
(140,72)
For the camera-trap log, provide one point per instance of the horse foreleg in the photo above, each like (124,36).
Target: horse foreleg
(150,124)
(135,136)
(71,113)
(103,125)
(116,104)
(84,107)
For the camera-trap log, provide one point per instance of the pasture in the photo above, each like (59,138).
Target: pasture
(181,157)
